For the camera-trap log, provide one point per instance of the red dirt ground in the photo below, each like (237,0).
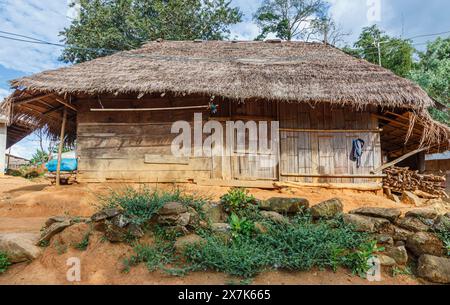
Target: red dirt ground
(25,205)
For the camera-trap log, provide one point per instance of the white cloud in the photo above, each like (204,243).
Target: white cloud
(36,18)
(3,93)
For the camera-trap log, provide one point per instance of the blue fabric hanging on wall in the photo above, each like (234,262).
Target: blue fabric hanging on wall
(357,151)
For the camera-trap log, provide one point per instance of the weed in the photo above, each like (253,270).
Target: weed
(4,262)
(241,226)
(84,243)
(237,200)
(154,256)
(299,246)
(401,271)
(60,249)
(44,243)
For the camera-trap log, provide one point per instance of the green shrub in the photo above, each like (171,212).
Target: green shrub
(241,226)
(142,204)
(4,262)
(299,246)
(154,256)
(84,243)
(236,200)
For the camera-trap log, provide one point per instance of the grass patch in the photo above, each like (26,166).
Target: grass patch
(84,243)
(140,205)
(299,246)
(237,200)
(4,262)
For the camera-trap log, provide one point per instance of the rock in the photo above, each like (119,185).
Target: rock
(175,219)
(105,214)
(135,231)
(260,228)
(220,227)
(285,205)
(394,198)
(20,247)
(447,215)
(214,212)
(327,209)
(114,233)
(51,231)
(401,234)
(55,219)
(442,224)
(389,214)
(383,239)
(386,260)
(173,208)
(435,269)
(410,198)
(274,216)
(424,243)
(183,242)
(422,214)
(399,254)
(365,223)
(120,221)
(400,243)
(412,224)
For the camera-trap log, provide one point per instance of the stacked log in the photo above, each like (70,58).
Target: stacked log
(401,179)
(65,177)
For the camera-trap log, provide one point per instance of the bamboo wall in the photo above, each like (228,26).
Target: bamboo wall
(136,146)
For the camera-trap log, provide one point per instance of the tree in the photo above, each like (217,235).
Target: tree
(288,19)
(396,53)
(106,26)
(326,28)
(432,73)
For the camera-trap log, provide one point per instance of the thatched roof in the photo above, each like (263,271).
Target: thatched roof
(244,71)
(288,71)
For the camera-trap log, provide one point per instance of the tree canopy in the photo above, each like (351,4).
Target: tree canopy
(432,73)
(288,19)
(106,26)
(396,53)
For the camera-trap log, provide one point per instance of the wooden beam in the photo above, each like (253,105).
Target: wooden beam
(398,160)
(29,99)
(148,109)
(332,176)
(61,145)
(66,104)
(333,186)
(332,130)
(237,183)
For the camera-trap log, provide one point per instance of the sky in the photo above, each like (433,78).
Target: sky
(44,19)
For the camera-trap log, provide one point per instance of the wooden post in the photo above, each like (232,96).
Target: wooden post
(61,145)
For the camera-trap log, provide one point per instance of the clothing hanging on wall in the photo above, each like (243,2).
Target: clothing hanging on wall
(357,151)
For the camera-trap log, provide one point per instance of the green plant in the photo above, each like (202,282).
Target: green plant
(300,245)
(154,256)
(401,271)
(84,243)
(4,262)
(61,249)
(236,200)
(241,226)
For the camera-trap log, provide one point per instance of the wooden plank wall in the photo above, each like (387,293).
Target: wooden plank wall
(326,153)
(112,146)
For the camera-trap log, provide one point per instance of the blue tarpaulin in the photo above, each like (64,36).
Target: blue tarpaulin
(67,165)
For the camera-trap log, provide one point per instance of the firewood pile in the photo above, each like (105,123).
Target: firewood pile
(65,177)
(400,179)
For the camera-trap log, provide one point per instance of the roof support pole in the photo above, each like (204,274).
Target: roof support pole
(60,149)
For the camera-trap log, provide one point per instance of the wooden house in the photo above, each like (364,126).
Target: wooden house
(119,111)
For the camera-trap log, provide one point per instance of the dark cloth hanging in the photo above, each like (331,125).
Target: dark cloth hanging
(357,151)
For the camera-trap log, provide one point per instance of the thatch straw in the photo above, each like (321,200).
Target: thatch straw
(290,71)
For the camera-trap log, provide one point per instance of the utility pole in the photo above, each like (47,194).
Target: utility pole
(378,45)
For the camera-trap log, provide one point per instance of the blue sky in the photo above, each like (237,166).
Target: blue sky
(44,19)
